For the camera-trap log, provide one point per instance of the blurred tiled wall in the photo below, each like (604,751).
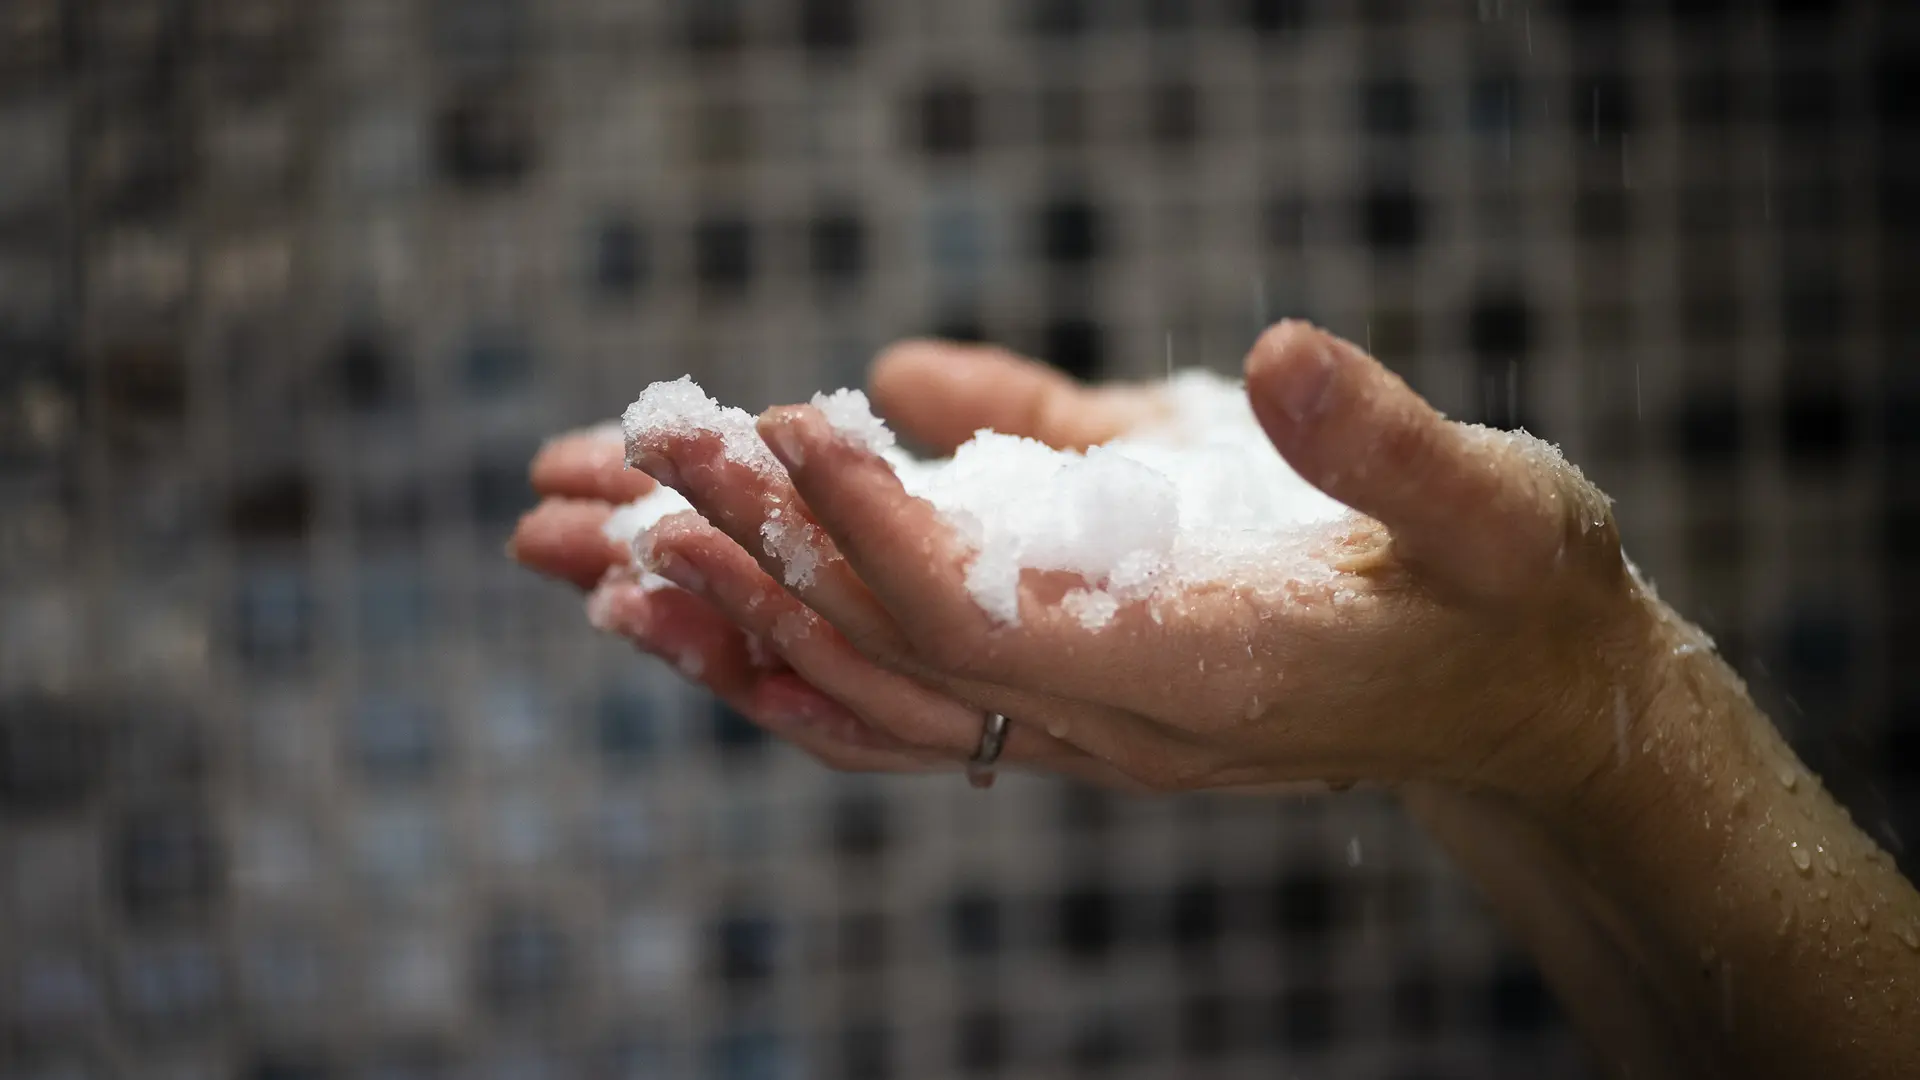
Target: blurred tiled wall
(299,778)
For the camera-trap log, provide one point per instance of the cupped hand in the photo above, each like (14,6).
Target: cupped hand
(1480,626)
(738,634)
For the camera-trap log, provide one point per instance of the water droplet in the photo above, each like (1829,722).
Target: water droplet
(1057,728)
(1863,916)
(1908,935)
(1788,776)
(1726,996)
(1822,892)
(1620,720)
(1801,860)
(1827,860)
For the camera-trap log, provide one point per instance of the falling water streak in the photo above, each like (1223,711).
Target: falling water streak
(1506,111)
(1639,404)
(1766,182)
(1619,726)
(1527,18)
(1726,995)
(1369,336)
(1353,851)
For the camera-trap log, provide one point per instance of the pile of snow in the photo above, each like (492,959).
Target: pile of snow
(1202,497)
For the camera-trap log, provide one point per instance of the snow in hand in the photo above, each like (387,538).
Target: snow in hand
(1201,498)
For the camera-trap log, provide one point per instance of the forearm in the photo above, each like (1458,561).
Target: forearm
(1770,932)
(1542,897)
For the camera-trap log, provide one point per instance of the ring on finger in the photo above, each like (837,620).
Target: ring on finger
(993,739)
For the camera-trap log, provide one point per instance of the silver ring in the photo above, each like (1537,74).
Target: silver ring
(993,739)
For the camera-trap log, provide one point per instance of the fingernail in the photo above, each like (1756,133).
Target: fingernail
(785,444)
(658,467)
(1304,393)
(678,570)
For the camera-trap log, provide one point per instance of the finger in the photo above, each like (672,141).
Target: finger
(1469,505)
(788,694)
(915,566)
(897,545)
(1090,734)
(940,393)
(588,465)
(679,628)
(834,736)
(684,630)
(740,498)
(759,510)
(709,651)
(789,708)
(562,538)
(698,557)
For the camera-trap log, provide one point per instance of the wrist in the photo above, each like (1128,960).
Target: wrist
(1654,732)
(1587,745)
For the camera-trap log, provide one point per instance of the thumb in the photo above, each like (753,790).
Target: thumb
(1482,511)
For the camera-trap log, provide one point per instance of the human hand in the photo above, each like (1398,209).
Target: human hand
(582,479)
(1483,628)
(844,711)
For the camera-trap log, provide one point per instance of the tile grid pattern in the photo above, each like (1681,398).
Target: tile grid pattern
(301,779)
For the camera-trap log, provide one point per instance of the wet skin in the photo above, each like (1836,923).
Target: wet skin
(1701,904)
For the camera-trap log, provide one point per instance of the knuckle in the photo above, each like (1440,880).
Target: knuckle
(1404,449)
